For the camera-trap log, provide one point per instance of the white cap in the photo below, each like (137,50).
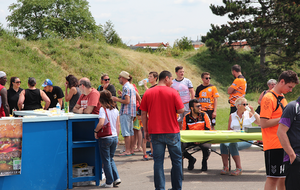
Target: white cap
(2,74)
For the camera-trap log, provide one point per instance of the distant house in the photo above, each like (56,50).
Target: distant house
(153,46)
(197,44)
(240,45)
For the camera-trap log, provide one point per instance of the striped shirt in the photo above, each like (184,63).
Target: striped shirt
(129,109)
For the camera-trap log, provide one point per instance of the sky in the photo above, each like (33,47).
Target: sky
(141,21)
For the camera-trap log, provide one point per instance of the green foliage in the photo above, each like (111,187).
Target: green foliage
(271,26)
(184,44)
(110,35)
(35,19)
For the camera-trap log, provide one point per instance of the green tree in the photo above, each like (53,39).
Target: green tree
(271,27)
(36,19)
(110,34)
(184,43)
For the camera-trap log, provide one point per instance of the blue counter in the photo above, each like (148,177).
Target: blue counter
(50,147)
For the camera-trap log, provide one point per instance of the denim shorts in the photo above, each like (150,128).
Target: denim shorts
(126,122)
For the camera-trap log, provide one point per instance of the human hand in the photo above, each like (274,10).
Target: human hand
(119,92)
(96,135)
(66,84)
(105,86)
(214,114)
(115,99)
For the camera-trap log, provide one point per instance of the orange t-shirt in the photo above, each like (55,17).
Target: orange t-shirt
(206,96)
(240,86)
(268,105)
(196,124)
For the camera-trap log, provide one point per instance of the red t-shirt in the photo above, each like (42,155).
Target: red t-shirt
(92,99)
(161,103)
(2,113)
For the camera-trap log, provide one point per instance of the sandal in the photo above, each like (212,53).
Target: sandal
(224,171)
(236,172)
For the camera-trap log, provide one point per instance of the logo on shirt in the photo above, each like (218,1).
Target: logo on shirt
(83,103)
(54,96)
(203,94)
(209,90)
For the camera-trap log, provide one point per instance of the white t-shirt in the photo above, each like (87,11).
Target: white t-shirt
(183,87)
(247,121)
(112,115)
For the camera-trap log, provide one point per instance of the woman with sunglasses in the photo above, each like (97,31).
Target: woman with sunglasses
(105,85)
(74,93)
(243,117)
(13,93)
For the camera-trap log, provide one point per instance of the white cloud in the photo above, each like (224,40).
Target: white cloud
(197,1)
(172,31)
(102,15)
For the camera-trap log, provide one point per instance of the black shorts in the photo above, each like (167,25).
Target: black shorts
(292,181)
(213,120)
(274,163)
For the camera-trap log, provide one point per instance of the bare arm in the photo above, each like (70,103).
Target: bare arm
(118,125)
(251,113)
(77,109)
(145,125)
(229,122)
(260,97)
(230,90)
(145,84)
(88,110)
(126,101)
(265,123)
(138,97)
(180,111)
(46,99)
(21,99)
(214,114)
(60,102)
(5,105)
(285,143)
(70,94)
(192,93)
(99,126)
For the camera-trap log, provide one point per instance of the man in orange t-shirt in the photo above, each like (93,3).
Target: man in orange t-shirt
(238,87)
(272,105)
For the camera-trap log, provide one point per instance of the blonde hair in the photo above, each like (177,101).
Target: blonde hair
(239,101)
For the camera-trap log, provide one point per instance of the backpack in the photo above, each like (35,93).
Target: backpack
(202,119)
(278,101)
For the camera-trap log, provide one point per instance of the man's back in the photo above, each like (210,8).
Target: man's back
(240,86)
(161,104)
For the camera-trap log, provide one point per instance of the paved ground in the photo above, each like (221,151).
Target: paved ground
(137,174)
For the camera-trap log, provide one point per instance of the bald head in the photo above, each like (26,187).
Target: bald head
(85,82)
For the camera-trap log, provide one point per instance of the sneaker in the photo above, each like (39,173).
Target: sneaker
(192,163)
(148,152)
(145,157)
(104,185)
(204,165)
(117,182)
(103,176)
(122,150)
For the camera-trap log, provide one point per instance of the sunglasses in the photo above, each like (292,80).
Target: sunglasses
(107,79)
(208,78)
(199,106)
(245,104)
(19,82)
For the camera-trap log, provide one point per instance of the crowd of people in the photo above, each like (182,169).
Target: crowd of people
(166,108)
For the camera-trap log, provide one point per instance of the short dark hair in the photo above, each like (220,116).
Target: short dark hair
(155,74)
(104,75)
(85,83)
(31,81)
(164,74)
(289,76)
(72,80)
(205,73)
(12,79)
(236,68)
(178,68)
(192,102)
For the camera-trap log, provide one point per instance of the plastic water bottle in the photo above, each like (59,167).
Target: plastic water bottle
(58,108)
(141,83)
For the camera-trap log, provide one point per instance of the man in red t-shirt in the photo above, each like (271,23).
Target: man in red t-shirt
(162,104)
(4,107)
(88,102)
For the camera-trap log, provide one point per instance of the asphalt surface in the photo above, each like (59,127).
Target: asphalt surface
(137,174)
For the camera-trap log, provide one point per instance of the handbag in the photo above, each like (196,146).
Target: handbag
(106,129)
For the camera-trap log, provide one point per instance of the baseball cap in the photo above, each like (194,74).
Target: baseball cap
(2,74)
(47,82)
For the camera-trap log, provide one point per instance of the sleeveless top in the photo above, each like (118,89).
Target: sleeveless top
(74,99)
(246,120)
(32,99)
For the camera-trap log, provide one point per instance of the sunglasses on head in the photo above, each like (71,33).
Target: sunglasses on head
(107,79)
(245,104)
(208,78)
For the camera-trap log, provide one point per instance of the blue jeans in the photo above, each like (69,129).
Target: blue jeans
(159,143)
(107,148)
(234,147)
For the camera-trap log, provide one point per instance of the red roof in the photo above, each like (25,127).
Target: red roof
(150,44)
